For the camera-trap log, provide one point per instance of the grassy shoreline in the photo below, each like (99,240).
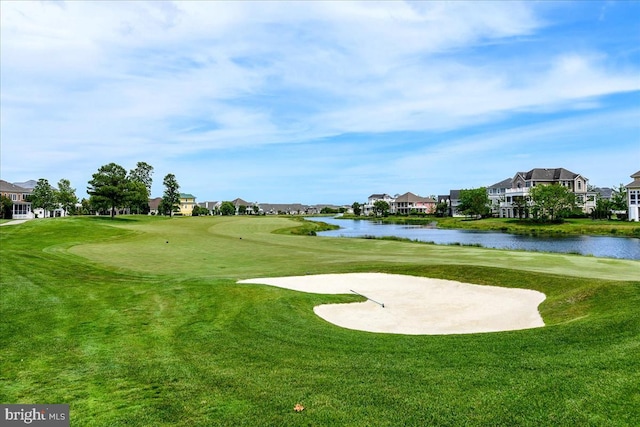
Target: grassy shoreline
(139,321)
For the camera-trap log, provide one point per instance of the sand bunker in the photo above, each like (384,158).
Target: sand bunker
(418,305)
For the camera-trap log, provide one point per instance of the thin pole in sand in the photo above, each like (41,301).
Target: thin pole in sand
(364,296)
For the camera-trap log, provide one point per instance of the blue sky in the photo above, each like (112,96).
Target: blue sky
(319,102)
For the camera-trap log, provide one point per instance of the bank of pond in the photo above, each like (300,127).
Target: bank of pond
(591,245)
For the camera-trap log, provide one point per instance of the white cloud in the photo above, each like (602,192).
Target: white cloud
(161,81)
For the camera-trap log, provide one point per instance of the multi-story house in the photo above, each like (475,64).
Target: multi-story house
(19,197)
(187,202)
(410,203)
(452,201)
(212,206)
(516,197)
(633,197)
(367,208)
(497,193)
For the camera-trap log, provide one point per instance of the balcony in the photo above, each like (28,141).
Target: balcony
(517,191)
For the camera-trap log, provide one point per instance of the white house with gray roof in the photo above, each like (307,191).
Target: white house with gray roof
(633,197)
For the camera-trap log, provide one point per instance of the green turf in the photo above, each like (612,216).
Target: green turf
(131,330)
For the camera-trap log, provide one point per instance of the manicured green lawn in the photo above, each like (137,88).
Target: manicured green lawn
(131,330)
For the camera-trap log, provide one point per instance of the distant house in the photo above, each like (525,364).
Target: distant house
(243,207)
(154,206)
(452,201)
(212,206)
(19,197)
(410,203)
(633,197)
(187,202)
(367,208)
(497,193)
(523,182)
(283,209)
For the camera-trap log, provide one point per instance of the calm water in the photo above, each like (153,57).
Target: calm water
(599,246)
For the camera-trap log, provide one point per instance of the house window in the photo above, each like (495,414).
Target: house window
(579,185)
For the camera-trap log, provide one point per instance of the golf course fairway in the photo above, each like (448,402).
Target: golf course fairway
(140,321)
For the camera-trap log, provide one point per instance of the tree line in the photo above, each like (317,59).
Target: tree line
(112,188)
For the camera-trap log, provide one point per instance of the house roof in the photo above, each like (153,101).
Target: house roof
(506,183)
(546,174)
(410,197)
(187,196)
(27,184)
(209,204)
(380,196)
(154,204)
(7,187)
(240,202)
(636,181)
(281,207)
(604,192)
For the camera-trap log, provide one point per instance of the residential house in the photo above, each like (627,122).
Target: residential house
(212,207)
(19,197)
(410,203)
(452,200)
(367,208)
(497,193)
(154,206)
(604,193)
(523,182)
(187,202)
(633,197)
(243,207)
(284,209)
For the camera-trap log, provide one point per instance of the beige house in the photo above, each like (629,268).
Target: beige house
(633,197)
(523,182)
(410,203)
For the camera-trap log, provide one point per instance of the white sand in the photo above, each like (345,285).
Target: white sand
(418,305)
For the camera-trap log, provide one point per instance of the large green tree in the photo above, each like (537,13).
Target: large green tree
(142,173)
(227,208)
(43,196)
(619,198)
(6,207)
(381,208)
(474,202)
(66,196)
(109,187)
(140,187)
(357,208)
(602,209)
(137,197)
(551,202)
(171,196)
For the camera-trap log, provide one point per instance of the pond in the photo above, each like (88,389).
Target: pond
(599,246)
